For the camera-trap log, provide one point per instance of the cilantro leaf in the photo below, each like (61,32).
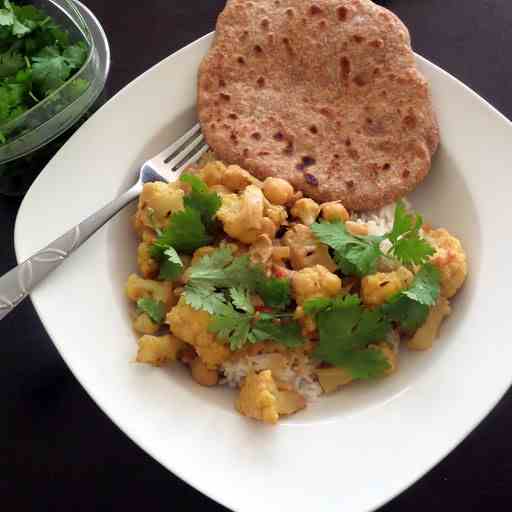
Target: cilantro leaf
(241,300)
(185,233)
(221,270)
(76,54)
(288,334)
(211,268)
(345,330)
(50,70)
(172,267)
(233,327)
(408,246)
(205,298)
(317,305)
(11,62)
(406,312)
(201,199)
(355,255)
(410,307)
(241,328)
(154,309)
(425,287)
(369,363)
(274,292)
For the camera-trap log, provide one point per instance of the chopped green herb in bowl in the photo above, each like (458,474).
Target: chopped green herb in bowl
(54,61)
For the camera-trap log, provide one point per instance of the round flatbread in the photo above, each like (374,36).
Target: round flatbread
(322,93)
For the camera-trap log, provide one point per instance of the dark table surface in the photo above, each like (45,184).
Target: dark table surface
(59,451)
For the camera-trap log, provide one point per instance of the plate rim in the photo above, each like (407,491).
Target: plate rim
(141,443)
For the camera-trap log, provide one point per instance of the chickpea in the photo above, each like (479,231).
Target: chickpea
(306,210)
(277,190)
(235,178)
(203,375)
(334,211)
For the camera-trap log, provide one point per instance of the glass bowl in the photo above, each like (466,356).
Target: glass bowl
(37,135)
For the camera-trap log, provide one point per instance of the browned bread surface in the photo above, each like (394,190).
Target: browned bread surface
(323,93)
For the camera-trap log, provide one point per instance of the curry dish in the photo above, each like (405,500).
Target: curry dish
(250,284)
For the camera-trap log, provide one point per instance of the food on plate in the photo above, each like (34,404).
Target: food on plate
(324,94)
(252,285)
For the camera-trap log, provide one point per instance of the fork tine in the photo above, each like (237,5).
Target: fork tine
(186,152)
(192,160)
(171,151)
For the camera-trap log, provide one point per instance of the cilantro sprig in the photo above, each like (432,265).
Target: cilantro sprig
(409,308)
(345,329)
(222,284)
(222,270)
(359,255)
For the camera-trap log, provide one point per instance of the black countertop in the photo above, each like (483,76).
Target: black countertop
(58,451)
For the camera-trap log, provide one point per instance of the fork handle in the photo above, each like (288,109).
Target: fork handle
(21,280)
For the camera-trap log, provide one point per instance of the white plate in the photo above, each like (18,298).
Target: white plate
(352,451)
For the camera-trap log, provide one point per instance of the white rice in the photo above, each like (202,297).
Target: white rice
(300,377)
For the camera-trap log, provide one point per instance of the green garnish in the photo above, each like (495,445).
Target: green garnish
(345,329)
(410,307)
(222,285)
(153,308)
(188,229)
(171,267)
(359,255)
(36,58)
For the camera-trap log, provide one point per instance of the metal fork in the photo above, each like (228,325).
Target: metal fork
(167,166)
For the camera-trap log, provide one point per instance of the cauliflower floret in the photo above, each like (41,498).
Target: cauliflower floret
(449,258)
(192,326)
(378,288)
(212,173)
(147,265)
(306,210)
(157,202)
(258,397)
(157,350)
(261,250)
(242,216)
(138,288)
(424,337)
(313,282)
(277,214)
(236,179)
(306,250)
